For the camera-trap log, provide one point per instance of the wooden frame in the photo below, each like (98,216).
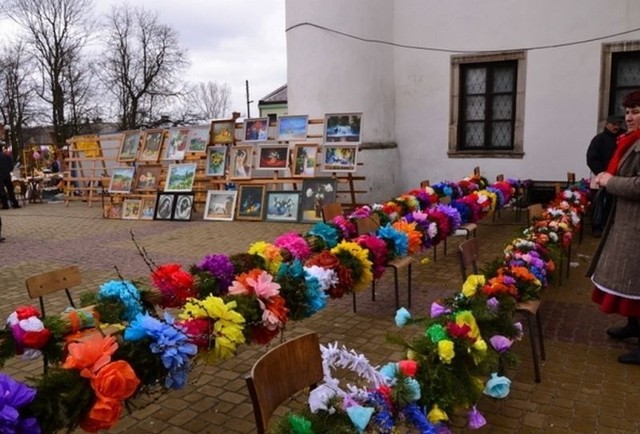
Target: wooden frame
(151,145)
(177,141)
(339,158)
(240,162)
(220,205)
(198,139)
(216,160)
(129,146)
(180,177)
(282,206)
(304,160)
(121,180)
(315,193)
(250,202)
(292,127)
(183,207)
(273,157)
(147,208)
(223,132)
(131,209)
(113,210)
(256,130)
(147,177)
(342,127)
(164,206)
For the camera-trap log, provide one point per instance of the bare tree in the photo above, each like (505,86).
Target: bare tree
(141,65)
(210,100)
(56,30)
(81,99)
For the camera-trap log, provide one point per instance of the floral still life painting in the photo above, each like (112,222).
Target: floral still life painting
(216,159)
(198,139)
(315,193)
(273,157)
(282,206)
(223,132)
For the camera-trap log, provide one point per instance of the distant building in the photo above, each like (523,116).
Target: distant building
(274,104)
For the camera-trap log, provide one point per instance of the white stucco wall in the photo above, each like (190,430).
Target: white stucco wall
(404,93)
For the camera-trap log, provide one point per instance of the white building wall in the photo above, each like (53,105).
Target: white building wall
(404,93)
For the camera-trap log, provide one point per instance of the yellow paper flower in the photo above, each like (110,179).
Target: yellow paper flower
(362,255)
(478,351)
(436,415)
(472,283)
(271,254)
(425,261)
(466,317)
(480,345)
(412,355)
(445,351)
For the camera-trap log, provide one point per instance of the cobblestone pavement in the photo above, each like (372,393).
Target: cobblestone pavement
(583,388)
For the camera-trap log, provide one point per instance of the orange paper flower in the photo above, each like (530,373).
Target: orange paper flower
(116,380)
(103,415)
(90,355)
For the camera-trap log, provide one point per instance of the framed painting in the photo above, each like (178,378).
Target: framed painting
(121,180)
(305,158)
(151,145)
(129,146)
(282,206)
(256,130)
(240,162)
(339,158)
(147,208)
(147,177)
(183,207)
(180,177)
(198,138)
(315,193)
(131,209)
(177,141)
(292,127)
(220,205)
(342,127)
(216,160)
(250,202)
(223,132)
(164,206)
(273,157)
(112,210)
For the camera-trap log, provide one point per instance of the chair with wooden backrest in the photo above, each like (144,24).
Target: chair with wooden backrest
(50,282)
(536,212)
(369,225)
(424,183)
(282,372)
(331,211)
(466,229)
(468,259)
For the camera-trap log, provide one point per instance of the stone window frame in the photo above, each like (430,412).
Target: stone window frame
(454,113)
(608,49)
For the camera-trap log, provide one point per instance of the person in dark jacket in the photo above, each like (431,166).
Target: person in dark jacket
(6,183)
(599,154)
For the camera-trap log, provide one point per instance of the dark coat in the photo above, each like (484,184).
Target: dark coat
(616,262)
(6,165)
(601,150)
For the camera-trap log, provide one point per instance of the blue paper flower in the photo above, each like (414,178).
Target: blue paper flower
(390,370)
(360,416)
(328,233)
(125,292)
(416,417)
(497,386)
(402,317)
(399,239)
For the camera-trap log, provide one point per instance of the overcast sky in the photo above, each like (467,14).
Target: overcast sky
(227,42)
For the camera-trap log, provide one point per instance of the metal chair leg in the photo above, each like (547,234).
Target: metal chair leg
(534,345)
(354,302)
(395,284)
(373,290)
(409,285)
(543,354)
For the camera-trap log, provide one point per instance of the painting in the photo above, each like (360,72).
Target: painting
(112,210)
(121,180)
(198,138)
(240,162)
(315,193)
(129,146)
(176,144)
(342,127)
(304,160)
(339,158)
(183,207)
(273,157)
(256,130)
(131,209)
(147,208)
(151,145)
(147,177)
(292,127)
(282,206)
(220,205)
(164,206)
(223,132)
(250,202)
(180,177)
(216,160)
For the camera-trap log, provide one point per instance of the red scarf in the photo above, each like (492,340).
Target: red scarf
(623,144)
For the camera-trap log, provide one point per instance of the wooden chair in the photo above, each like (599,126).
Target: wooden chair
(20,191)
(282,372)
(424,183)
(50,282)
(468,260)
(466,229)
(535,212)
(371,225)
(331,211)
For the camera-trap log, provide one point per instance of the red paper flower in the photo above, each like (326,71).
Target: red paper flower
(175,283)
(24,312)
(36,339)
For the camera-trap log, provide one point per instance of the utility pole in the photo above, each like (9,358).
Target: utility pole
(246,84)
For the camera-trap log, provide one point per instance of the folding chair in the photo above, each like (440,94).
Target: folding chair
(282,372)
(371,225)
(468,259)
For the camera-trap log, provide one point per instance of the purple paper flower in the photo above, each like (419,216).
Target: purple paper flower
(476,419)
(500,343)
(438,309)
(493,304)
(221,267)
(13,396)
(518,327)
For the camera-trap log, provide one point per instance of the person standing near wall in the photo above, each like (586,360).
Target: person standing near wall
(6,183)
(599,154)
(615,267)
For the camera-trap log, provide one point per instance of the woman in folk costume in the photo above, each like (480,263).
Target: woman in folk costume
(615,268)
